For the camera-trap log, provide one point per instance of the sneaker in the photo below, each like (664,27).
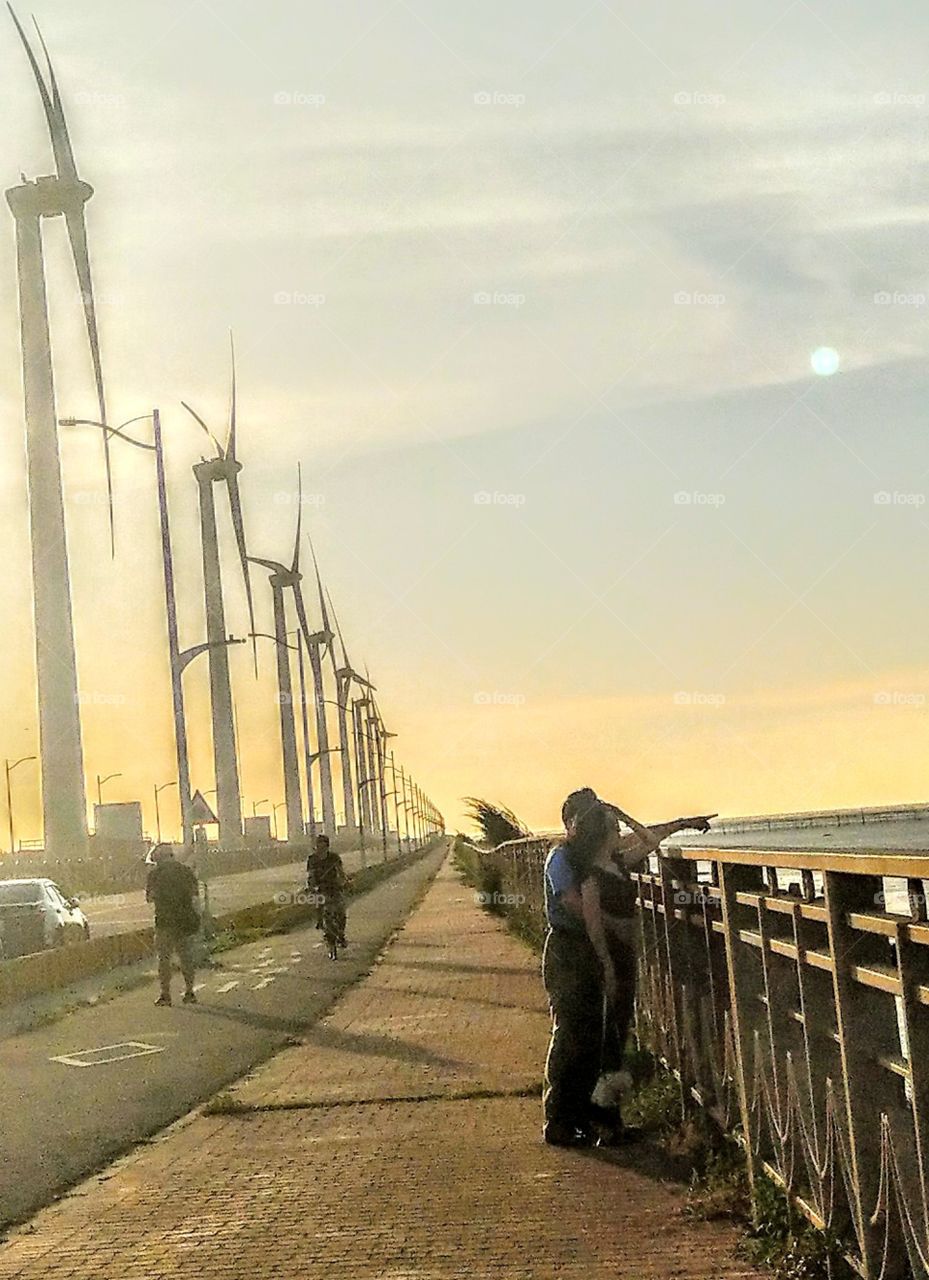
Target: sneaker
(621,1135)
(564,1136)
(163,1001)
(190,997)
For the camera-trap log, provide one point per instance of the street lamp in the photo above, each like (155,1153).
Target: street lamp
(178,659)
(164,786)
(282,804)
(101,781)
(9,795)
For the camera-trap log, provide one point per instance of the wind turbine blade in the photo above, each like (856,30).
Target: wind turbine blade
(193,413)
(77,233)
(77,229)
(346,665)
(274,565)
(230,443)
(308,638)
(51,115)
(327,629)
(295,563)
(238,524)
(57,125)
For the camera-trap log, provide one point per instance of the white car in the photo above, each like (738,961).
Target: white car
(35,915)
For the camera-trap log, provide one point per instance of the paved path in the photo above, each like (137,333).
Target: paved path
(145,1067)
(394,1143)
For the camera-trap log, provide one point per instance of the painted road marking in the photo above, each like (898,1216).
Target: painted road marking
(108,1053)
(227,986)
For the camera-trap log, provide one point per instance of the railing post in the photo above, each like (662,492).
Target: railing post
(677,952)
(913,962)
(846,893)
(741,994)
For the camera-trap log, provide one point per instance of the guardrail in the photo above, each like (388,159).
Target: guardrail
(823,817)
(793,1006)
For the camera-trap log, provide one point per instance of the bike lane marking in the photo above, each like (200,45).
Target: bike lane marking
(108,1053)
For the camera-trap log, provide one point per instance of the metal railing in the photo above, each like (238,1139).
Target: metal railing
(791,1001)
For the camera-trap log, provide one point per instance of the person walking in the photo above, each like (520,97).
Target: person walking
(173,891)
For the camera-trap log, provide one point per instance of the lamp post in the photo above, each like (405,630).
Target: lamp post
(280,805)
(164,786)
(179,659)
(100,785)
(394,794)
(9,795)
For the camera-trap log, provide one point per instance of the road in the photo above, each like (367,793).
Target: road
(123,912)
(78,1093)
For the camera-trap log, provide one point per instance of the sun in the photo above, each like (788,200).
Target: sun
(824,361)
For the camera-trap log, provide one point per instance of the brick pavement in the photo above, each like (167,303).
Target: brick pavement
(394,1143)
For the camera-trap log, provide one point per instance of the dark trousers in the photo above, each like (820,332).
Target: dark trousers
(616,1032)
(571,973)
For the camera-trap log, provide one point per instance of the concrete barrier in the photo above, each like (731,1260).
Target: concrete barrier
(31,975)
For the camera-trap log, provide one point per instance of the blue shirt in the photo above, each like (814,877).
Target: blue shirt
(558,879)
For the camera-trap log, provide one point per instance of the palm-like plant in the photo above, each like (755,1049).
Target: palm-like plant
(496,823)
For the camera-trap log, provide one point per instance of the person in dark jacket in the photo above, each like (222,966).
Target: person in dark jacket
(173,891)
(325,877)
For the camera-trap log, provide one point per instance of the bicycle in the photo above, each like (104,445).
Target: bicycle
(333,921)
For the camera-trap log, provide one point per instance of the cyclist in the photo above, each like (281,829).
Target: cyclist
(326,878)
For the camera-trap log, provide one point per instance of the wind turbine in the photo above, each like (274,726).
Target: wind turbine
(381,736)
(345,676)
(314,645)
(284,578)
(62,194)
(224,469)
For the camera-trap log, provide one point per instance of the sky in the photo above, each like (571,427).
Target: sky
(532,292)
